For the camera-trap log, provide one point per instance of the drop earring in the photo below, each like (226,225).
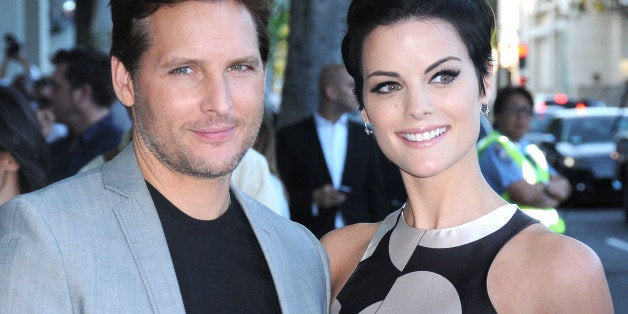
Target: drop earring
(368,129)
(485,110)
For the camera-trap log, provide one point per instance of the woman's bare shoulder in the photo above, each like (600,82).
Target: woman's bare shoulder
(350,235)
(345,247)
(543,271)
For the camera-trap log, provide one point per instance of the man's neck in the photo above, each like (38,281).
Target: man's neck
(85,120)
(203,199)
(329,114)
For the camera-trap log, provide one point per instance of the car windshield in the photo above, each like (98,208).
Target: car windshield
(593,129)
(539,122)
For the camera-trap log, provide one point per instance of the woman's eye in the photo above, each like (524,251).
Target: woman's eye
(182,71)
(445,77)
(386,88)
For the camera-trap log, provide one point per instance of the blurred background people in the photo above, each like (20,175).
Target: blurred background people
(253,177)
(33,86)
(50,128)
(81,98)
(257,173)
(14,53)
(266,144)
(517,169)
(23,153)
(331,169)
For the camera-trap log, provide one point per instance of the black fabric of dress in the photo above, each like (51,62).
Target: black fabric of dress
(464,267)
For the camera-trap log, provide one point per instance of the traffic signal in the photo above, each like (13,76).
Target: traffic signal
(523,55)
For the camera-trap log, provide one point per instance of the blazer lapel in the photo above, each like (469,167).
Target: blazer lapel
(316,156)
(353,149)
(275,256)
(141,225)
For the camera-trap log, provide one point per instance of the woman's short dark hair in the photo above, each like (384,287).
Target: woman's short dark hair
(504,94)
(21,136)
(473,20)
(130,37)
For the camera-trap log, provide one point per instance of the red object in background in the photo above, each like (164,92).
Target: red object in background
(561,99)
(523,54)
(581,105)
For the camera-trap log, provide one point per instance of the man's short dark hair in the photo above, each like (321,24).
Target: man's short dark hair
(88,66)
(130,37)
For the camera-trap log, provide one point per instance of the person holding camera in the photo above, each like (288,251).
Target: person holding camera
(14,53)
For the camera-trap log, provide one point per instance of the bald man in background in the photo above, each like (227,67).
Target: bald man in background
(330,167)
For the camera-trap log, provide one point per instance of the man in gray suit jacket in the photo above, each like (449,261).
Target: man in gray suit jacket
(158,228)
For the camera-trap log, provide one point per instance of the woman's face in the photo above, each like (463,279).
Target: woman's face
(421,93)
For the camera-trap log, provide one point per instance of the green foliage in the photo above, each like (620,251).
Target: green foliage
(279,29)
(597,5)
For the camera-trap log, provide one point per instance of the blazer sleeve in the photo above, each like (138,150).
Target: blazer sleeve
(326,274)
(32,274)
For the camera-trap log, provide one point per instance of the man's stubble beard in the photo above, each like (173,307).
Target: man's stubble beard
(166,152)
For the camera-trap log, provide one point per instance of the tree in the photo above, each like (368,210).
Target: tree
(316,31)
(83,18)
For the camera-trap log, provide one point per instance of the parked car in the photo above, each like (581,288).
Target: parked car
(546,105)
(621,158)
(580,144)
(539,124)
(542,102)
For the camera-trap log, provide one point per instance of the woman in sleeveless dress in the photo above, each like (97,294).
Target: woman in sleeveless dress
(423,77)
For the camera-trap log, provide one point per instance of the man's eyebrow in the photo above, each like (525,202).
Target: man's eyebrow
(175,62)
(248,59)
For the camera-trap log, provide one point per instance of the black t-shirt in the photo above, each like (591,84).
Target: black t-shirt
(219,263)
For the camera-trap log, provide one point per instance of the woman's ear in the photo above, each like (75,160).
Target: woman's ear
(488,85)
(122,82)
(365,116)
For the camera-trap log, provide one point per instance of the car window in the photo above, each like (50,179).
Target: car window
(539,122)
(589,129)
(554,129)
(623,125)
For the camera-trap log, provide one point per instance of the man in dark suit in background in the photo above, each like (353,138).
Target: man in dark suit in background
(331,169)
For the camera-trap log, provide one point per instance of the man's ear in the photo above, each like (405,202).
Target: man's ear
(330,92)
(122,82)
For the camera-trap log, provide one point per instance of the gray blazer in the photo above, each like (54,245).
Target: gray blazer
(94,243)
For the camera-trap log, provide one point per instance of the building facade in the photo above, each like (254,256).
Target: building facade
(574,46)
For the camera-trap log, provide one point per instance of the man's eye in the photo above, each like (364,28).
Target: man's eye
(239,68)
(182,71)
(386,88)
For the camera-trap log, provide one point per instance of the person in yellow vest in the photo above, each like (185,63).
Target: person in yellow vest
(517,169)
